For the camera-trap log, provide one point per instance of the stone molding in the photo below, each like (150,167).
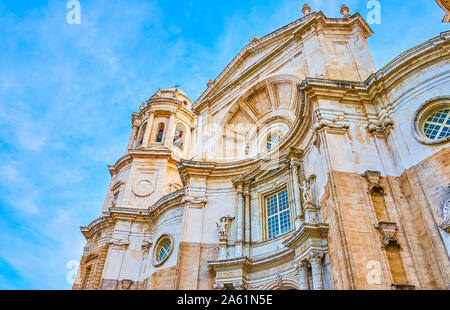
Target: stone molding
(380,127)
(445,5)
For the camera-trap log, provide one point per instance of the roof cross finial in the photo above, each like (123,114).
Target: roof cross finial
(176,85)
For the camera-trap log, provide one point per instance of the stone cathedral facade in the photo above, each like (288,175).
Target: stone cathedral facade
(299,167)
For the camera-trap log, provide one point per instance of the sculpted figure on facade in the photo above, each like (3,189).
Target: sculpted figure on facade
(223,226)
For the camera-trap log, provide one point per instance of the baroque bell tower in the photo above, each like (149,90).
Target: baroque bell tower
(162,135)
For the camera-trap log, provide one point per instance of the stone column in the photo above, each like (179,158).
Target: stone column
(239,221)
(148,130)
(168,136)
(247,218)
(133,136)
(295,185)
(315,259)
(303,276)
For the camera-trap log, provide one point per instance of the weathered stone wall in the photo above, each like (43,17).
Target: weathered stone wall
(95,260)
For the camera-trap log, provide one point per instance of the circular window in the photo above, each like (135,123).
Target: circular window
(432,121)
(163,250)
(437,126)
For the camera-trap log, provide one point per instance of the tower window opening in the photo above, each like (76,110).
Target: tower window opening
(160,133)
(178,138)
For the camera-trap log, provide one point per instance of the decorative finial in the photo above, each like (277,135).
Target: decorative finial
(345,11)
(209,83)
(158,93)
(254,39)
(306,9)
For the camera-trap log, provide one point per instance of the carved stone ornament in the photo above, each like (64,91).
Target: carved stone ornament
(388,231)
(144,186)
(446,212)
(279,281)
(126,284)
(219,286)
(314,257)
(340,125)
(239,285)
(306,9)
(380,127)
(374,178)
(119,242)
(223,226)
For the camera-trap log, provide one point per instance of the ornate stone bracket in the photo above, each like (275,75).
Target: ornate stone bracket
(380,127)
(146,245)
(374,178)
(388,231)
(239,285)
(335,125)
(195,202)
(220,286)
(126,284)
(119,243)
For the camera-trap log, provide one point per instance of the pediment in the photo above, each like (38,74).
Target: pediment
(280,52)
(254,54)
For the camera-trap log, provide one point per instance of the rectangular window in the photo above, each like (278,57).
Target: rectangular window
(278,216)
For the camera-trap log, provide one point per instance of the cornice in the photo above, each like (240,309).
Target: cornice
(410,60)
(159,152)
(307,231)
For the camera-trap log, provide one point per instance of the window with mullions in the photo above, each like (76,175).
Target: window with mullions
(272,140)
(437,126)
(278,216)
(164,250)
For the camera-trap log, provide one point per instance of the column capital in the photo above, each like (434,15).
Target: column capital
(314,257)
(239,285)
(301,265)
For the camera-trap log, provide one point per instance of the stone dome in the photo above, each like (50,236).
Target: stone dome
(171,93)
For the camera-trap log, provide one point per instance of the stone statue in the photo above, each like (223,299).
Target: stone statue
(223,226)
(306,190)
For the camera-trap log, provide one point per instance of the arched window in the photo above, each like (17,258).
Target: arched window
(160,132)
(178,138)
(140,139)
(273,138)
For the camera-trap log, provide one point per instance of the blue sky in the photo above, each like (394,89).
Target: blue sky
(67,93)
